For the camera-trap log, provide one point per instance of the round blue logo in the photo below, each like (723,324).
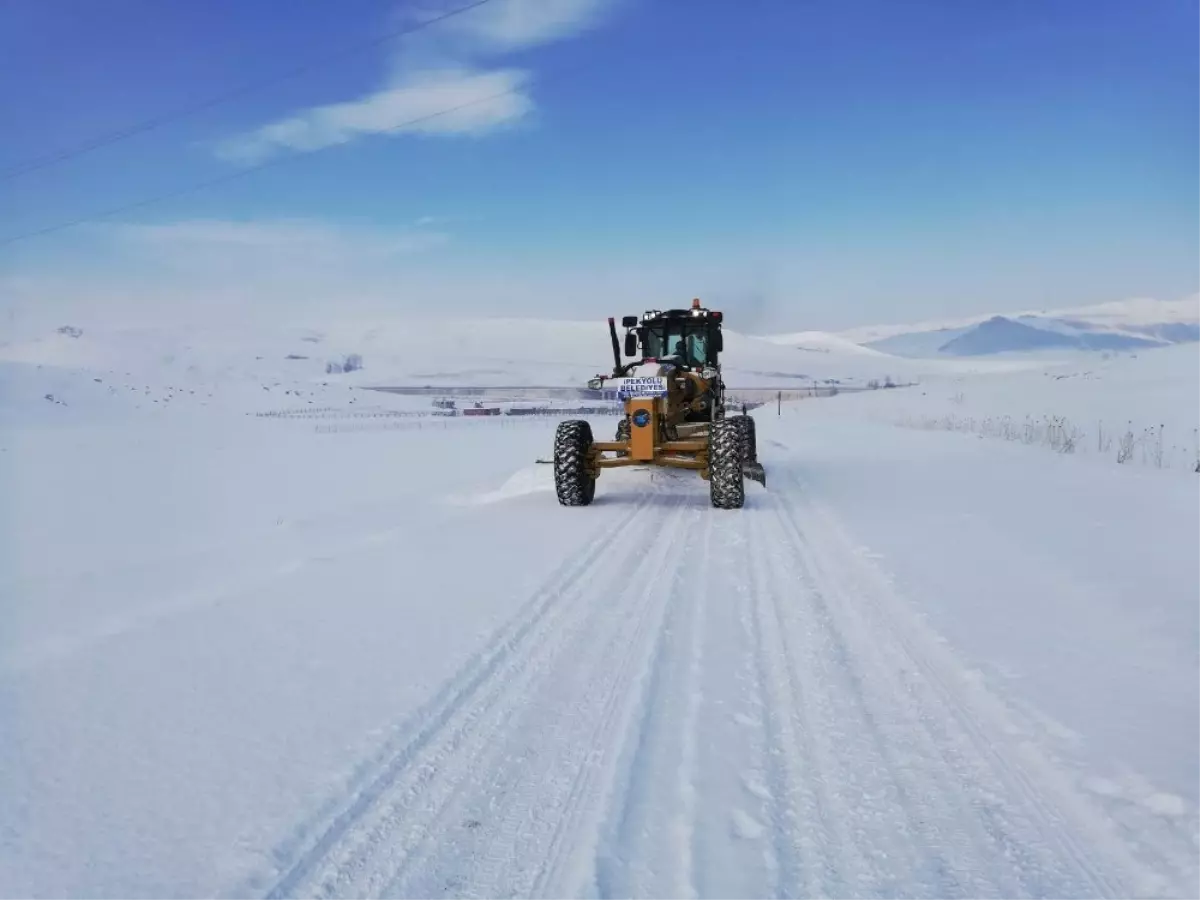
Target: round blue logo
(641,418)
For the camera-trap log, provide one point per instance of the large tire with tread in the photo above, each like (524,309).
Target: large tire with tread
(749,439)
(725,485)
(622,434)
(573,482)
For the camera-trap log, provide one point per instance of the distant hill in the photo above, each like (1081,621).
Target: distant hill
(1003,335)
(1120,325)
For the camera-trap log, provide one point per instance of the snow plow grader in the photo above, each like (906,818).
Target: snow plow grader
(674,411)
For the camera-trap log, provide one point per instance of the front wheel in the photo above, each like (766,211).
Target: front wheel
(725,485)
(573,481)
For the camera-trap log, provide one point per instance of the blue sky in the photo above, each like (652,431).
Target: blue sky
(809,163)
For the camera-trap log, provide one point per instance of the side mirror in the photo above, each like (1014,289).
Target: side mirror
(718,342)
(629,321)
(631,347)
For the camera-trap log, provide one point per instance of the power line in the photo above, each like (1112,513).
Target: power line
(242,173)
(112,137)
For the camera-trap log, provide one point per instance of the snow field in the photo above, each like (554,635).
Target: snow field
(1138,410)
(308,644)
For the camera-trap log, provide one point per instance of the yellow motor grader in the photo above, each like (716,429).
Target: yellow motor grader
(674,411)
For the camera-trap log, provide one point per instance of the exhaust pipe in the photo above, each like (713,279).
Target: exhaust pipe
(616,345)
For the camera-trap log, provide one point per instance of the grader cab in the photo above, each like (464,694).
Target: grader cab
(674,411)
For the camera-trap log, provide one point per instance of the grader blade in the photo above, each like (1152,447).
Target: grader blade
(755,472)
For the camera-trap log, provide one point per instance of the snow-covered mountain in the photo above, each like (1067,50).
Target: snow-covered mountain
(1138,323)
(1002,335)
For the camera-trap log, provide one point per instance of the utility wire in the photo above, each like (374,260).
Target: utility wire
(112,137)
(242,173)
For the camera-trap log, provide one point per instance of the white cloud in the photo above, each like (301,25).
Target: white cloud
(507,25)
(447,102)
(436,84)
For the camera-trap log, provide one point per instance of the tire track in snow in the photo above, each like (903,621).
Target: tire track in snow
(321,855)
(813,847)
(762,773)
(1055,839)
(571,859)
(1015,846)
(539,818)
(649,836)
(935,790)
(871,808)
(498,764)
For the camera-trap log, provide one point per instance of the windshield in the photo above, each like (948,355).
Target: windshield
(678,339)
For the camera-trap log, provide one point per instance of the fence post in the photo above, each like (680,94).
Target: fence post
(779,404)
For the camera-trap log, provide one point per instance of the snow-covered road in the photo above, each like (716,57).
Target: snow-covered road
(431,692)
(701,704)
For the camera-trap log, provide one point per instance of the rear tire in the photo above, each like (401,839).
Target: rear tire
(749,439)
(573,481)
(725,485)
